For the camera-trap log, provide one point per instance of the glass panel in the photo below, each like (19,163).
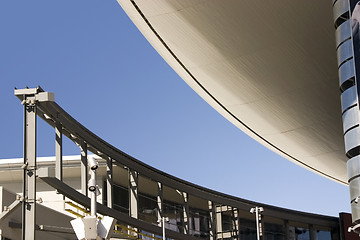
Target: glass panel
(147,236)
(199,222)
(148,208)
(247,229)
(121,199)
(274,231)
(174,212)
(323,235)
(226,222)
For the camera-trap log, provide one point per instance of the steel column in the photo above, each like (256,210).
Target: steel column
(84,169)
(109,182)
(312,233)
(133,187)
(133,195)
(286,229)
(219,229)
(23,210)
(186,212)
(235,223)
(29,202)
(58,151)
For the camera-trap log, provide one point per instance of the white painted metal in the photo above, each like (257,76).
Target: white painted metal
(58,151)
(93,193)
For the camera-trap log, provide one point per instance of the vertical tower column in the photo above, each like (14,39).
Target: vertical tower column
(30,98)
(29,203)
(348,56)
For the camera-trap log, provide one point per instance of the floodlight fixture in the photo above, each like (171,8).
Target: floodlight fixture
(90,227)
(93,164)
(92,185)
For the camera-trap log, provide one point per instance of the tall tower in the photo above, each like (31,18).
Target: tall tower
(347,25)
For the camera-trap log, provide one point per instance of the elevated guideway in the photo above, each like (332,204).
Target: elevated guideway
(192,201)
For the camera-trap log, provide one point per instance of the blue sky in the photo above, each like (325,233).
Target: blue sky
(108,77)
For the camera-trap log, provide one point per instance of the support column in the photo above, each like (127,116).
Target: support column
(83,169)
(186,212)
(58,152)
(30,97)
(29,203)
(286,229)
(109,182)
(133,195)
(335,234)
(312,232)
(239,224)
(235,223)
(133,187)
(219,230)
(212,220)
(159,201)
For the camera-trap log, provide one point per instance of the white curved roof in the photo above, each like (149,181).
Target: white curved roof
(269,67)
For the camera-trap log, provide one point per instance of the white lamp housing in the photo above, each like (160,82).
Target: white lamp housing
(105,226)
(78,227)
(93,164)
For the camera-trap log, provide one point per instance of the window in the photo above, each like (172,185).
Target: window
(298,233)
(121,198)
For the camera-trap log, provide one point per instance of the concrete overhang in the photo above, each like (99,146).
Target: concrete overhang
(269,67)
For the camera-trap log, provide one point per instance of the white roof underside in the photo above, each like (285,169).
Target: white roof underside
(269,67)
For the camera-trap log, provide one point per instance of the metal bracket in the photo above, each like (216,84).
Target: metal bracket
(39,200)
(10,208)
(38,93)
(355,229)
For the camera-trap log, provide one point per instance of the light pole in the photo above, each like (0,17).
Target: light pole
(93,188)
(90,227)
(162,220)
(257,211)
